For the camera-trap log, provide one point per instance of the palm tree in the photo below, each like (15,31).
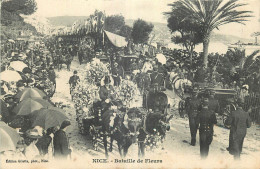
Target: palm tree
(210,14)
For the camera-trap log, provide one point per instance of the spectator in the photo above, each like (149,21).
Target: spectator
(31,151)
(239,121)
(61,142)
(44,142)
(73,81)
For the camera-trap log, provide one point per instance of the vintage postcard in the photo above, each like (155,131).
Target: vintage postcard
(130,84)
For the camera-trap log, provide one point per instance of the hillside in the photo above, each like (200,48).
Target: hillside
(64,20)
(161,31)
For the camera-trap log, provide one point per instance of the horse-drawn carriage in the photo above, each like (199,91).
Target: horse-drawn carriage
(129,63)
(145,125)
(225,98)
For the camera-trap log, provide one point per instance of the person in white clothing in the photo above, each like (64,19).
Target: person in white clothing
(31,151)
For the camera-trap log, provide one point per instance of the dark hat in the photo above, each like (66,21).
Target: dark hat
(19,83)
(27,70)
(65,124)
(30,81)
(3,91)
(107,80)
(75,72)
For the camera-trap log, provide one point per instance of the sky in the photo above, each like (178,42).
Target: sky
(149,10)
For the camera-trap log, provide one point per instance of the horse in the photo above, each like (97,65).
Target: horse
(179,84)
(122,127)
(143,81)
(156,122)
(64,59)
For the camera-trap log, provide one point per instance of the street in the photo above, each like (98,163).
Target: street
(177,149)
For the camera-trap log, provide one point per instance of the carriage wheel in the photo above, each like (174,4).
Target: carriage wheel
(181,108)
(94,135)
(228,109)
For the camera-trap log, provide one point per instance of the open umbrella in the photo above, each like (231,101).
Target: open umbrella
(29,105)
(48,117)
(18,65)
(30,93)
(161,58)
(8,137)
(10,76)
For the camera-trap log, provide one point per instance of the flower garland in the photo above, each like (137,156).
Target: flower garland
(95,71)
(84,95)
(127,91)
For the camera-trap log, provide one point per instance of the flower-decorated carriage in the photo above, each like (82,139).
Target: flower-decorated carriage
(88,104)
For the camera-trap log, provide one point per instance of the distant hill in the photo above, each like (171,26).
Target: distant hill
(161,31)
(65,20)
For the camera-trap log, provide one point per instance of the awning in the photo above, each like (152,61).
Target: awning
(116,40)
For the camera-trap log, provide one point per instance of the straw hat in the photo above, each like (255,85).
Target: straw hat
(35,133)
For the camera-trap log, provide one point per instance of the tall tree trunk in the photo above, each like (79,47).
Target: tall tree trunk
(205,51)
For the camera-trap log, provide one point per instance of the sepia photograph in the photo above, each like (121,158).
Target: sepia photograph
(150,84)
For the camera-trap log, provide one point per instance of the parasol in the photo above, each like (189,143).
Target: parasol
(10,76)
(161,58)
(8,137)
(29,105)
(18,65)
(30,93)
(48,117)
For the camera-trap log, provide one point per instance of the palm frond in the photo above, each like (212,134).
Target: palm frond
(250,60)
(211,14)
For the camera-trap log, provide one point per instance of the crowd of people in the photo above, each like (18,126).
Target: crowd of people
(147,72)
(202,115)
(33,84)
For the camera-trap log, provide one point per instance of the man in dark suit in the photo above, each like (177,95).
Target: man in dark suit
(213,103)
(156,78)
(239,121)
(205,120)
(118,73)
(192,105)
(80,55)
(74,80)
(105,94)
(61,142)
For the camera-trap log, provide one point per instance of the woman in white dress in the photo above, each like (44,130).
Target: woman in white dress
(31,151)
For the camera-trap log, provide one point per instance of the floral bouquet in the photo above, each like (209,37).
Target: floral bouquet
(84,95)
(95,71)
(127,91)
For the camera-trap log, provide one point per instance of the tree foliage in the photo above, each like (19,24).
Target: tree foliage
(126,31)
(114,23)
(141,31)
(186,32)
(210,14)
(26,7)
